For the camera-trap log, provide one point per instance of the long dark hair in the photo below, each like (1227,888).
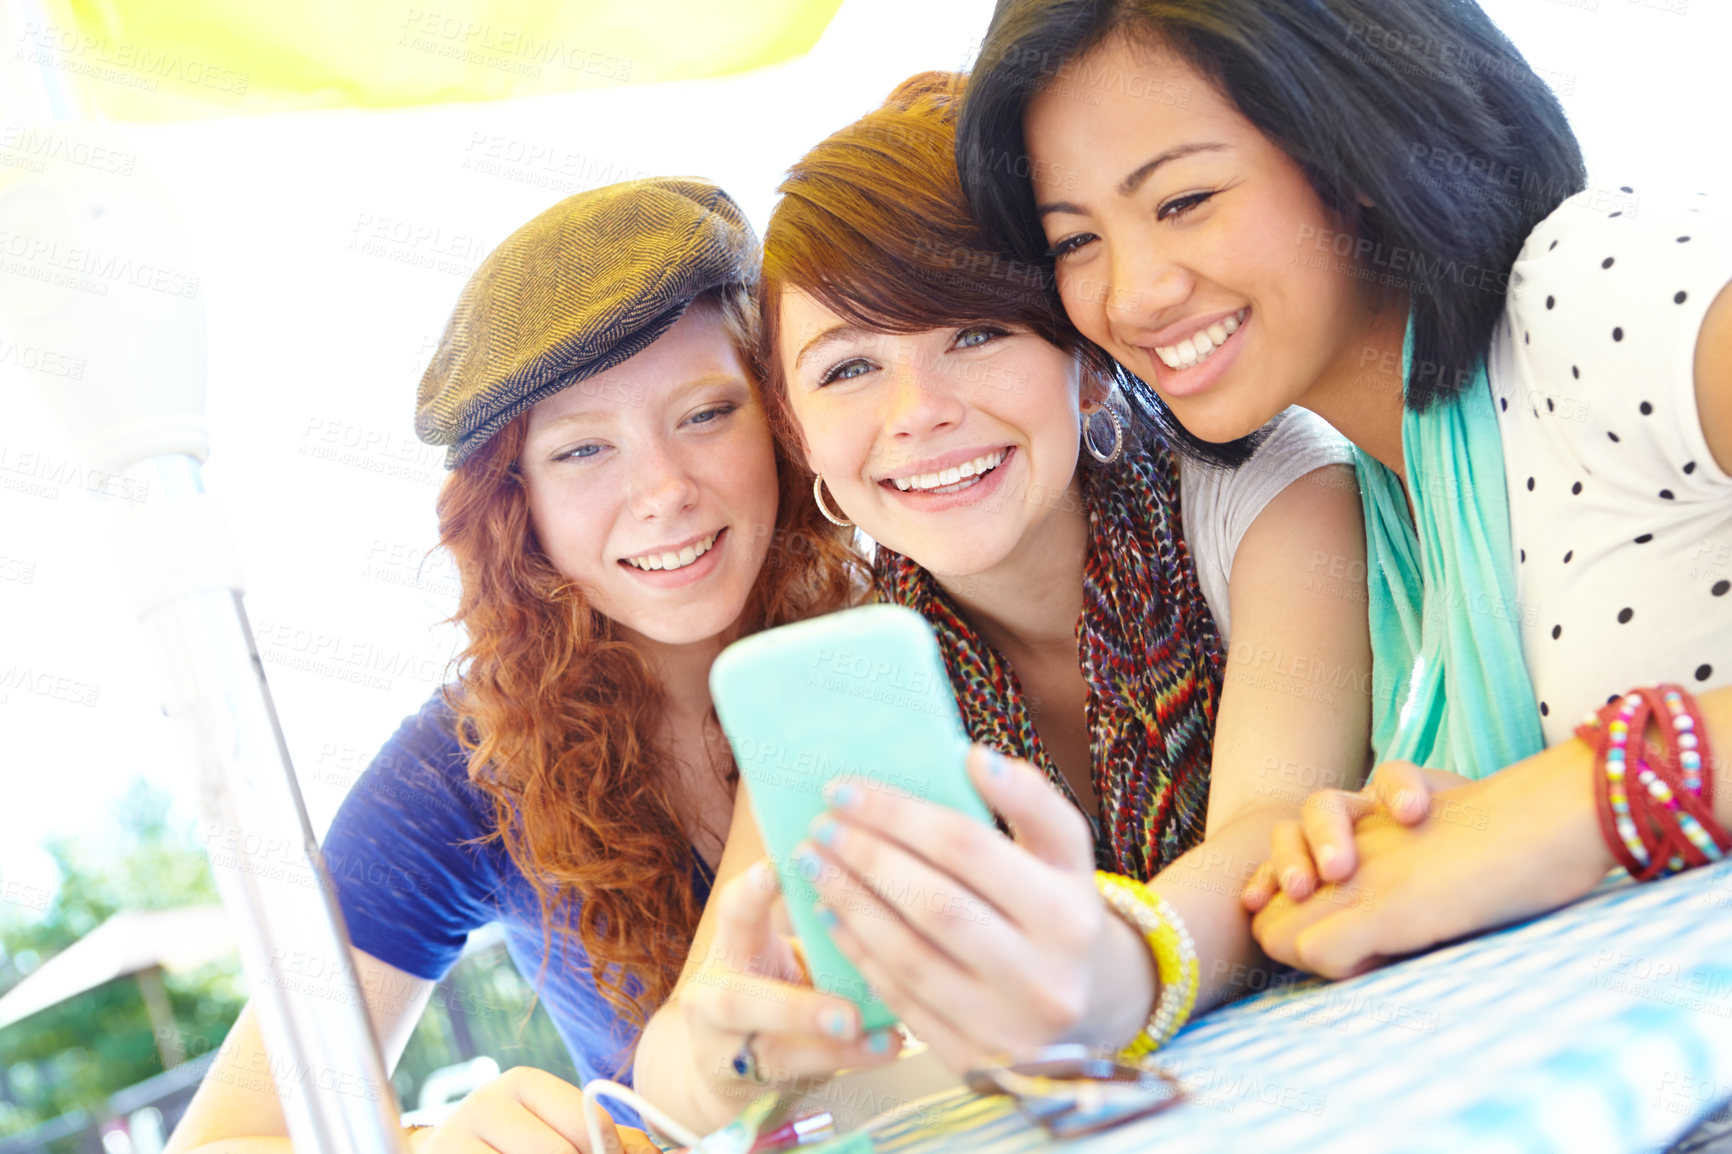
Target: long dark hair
(1422,108)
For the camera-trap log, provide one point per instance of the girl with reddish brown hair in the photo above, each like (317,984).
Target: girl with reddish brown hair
(619,512)
(1143,645)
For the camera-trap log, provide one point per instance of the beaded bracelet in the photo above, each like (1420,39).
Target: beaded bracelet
(1655,807)
(1608,731)
(1175,959)
(1686,745)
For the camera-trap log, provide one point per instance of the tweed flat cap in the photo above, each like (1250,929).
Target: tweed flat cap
(589,283)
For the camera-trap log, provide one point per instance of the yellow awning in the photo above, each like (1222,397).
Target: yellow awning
(176,59)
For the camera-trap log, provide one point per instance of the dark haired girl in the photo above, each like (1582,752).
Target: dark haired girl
(1539,386)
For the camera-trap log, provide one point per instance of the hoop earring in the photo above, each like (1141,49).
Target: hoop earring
(1118,424)
(823,506)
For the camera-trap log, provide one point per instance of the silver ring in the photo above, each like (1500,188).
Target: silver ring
(745,1062)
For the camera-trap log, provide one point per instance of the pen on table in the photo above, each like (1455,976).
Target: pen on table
(799,1132)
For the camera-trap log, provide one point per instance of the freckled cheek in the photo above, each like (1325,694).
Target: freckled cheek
(576,551)
(575,525)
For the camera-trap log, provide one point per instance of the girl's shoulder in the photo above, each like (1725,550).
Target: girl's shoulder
(1218,505)
(1624,274)
(1619,514)
(1295,443)
(1594,359)
(424,763)
(410,853)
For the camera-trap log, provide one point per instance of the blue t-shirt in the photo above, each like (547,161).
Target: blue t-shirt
(413,881)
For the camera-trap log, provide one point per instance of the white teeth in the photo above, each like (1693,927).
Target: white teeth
(956,474)
(1200,345)
(653,562)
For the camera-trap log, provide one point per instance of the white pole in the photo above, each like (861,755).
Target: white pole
(97,279)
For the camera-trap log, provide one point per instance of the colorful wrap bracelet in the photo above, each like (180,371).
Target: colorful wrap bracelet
(1175,957)
(1656,806)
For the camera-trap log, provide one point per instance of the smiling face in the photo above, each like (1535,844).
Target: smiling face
(652,486)
(956,447)
(1188,245)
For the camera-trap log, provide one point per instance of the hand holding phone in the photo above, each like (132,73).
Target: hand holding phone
(862,697)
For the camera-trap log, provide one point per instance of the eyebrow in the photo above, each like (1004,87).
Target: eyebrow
(840,331)
(1129,185)
(600,408)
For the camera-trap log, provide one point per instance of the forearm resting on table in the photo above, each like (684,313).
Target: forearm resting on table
(236,1109)
(1204,886)
(412,1140)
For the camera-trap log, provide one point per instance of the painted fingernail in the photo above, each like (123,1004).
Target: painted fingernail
(835,1022)
(808,864)
(826,917)
(843,795)
(878,1041)
(825,831)
(997,765)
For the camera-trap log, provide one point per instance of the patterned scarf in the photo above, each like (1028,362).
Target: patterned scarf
(1149,652)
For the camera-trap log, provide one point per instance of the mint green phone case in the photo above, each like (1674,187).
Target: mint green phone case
(859,695)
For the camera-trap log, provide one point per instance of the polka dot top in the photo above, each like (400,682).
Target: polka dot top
(1621,518)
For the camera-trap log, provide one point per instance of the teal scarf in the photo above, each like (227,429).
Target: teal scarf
(1450,689)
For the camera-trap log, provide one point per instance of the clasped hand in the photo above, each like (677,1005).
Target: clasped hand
(1419,857)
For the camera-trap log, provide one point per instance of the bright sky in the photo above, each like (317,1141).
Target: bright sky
(330,248)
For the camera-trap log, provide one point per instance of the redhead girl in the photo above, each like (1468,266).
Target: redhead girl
(1150,642)
(619,513)
(1538,387)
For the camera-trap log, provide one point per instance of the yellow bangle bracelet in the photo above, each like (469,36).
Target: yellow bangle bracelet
(1175,957)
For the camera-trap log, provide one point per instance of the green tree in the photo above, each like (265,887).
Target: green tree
(74,1055)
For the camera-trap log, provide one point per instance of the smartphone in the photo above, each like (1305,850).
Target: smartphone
(859,696)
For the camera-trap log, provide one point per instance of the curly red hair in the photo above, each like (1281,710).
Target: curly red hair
(558,714)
